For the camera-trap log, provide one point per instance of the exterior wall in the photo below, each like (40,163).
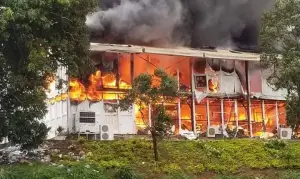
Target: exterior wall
(225,106)
(123,122)
(58,104)
(57,116)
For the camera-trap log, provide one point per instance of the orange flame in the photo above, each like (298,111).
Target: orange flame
(96,80)
(213,86)
(92,92)
(77,90)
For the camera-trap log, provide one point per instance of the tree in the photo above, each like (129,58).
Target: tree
(36,37)
(280,44)
(153,90)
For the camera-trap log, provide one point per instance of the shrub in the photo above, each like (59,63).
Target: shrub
(81,140)
(126,173)
(60,129)
(275,144)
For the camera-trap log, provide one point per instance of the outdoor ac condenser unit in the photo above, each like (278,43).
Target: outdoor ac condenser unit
(106,132)
(212,131)
(86,122)
(285,133)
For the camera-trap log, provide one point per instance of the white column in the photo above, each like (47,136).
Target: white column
(179,103)
(207,113)
(222,113)
(236,114)
(193,95)
(277,116)
(149,115)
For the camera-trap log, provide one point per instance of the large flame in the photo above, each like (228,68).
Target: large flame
(96,81)
(77,90)
(92,92)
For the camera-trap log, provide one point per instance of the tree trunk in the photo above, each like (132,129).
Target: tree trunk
(155,148)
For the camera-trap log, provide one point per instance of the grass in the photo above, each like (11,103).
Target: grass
(130,159)
(196,157)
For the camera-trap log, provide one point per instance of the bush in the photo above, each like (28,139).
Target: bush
(81,140)
(275,144)
(126,173)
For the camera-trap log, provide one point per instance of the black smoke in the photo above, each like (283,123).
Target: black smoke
(193,23)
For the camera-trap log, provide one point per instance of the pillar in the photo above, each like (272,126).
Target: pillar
(179,103)
(236,114)
(248,98)
(207,113)
(193,95)
(132,67)
(277,116)
(222,114)
(263,115)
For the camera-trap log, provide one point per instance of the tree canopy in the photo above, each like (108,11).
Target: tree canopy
(153,90)
(35,38)
(280,43)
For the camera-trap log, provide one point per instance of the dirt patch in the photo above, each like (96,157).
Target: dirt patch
(65,146)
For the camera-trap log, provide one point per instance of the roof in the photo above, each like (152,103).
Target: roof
(177,51)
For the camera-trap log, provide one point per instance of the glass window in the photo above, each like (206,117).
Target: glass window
(242,116)
(229,113)
(124,71)
(201,117)
(256,116)
(185,74)
(282,113)
(215,112)
(186,118)
(270,111)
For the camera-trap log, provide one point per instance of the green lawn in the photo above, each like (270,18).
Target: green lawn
(220,159)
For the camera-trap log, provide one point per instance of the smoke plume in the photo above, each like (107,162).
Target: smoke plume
(193,23)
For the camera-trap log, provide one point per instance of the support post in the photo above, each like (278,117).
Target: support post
(118,73)
(179,103)
(263,115)
(132,67)
(207,113)
(149,115)
(236,114)
(248,98)
(193,95)
(277,116)
(222,114)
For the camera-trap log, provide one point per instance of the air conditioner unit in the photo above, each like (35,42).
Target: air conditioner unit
(285,133)
(86,122)
(212,131)
(106,132)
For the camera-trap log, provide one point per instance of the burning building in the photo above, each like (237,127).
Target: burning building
(226,88)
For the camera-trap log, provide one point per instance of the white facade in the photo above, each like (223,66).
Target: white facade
(64,113)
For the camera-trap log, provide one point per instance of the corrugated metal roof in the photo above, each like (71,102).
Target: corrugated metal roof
(187,52)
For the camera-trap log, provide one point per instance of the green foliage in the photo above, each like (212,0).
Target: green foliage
(194,157)
(163,121)
(279,41)
(126,173)
(245,158)
(37,37)
(153,90)
(81,140)
(275,144)
(51,172)
(290,175)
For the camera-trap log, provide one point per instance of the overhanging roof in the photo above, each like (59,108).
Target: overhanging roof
(187,52)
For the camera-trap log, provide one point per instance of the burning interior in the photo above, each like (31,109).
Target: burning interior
(217,88)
